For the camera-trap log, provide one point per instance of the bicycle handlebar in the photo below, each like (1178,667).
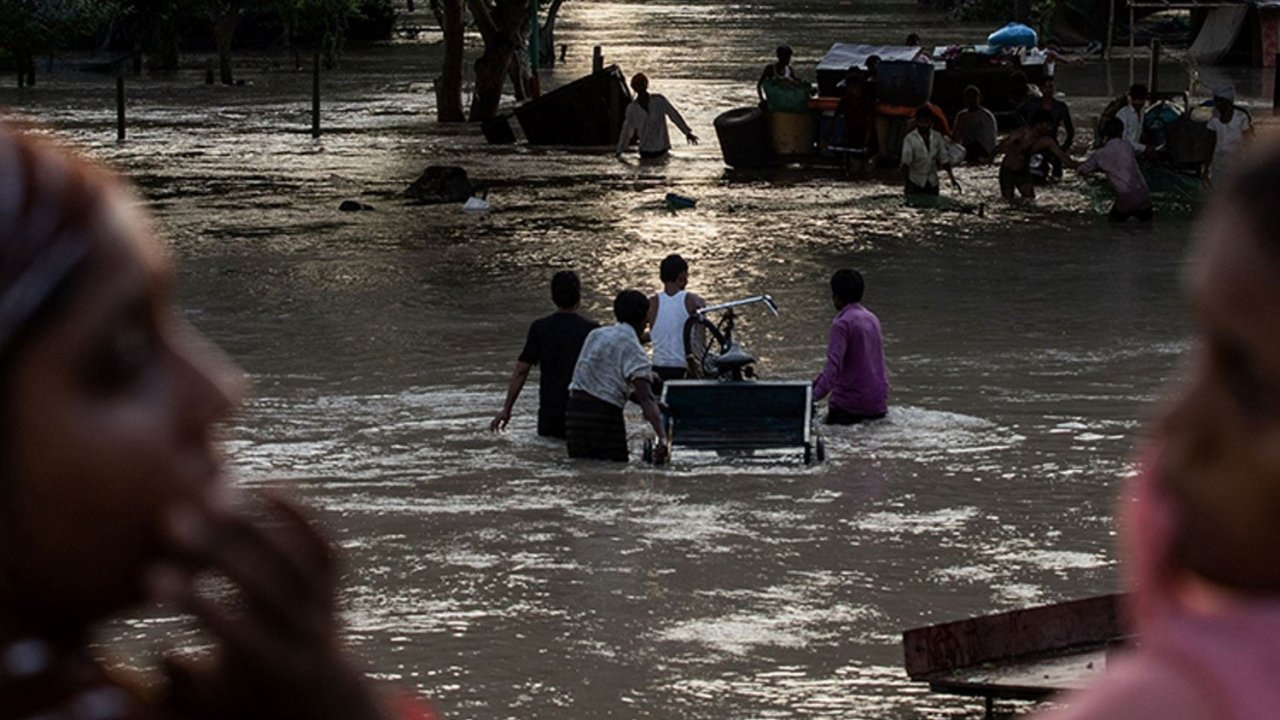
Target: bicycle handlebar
(768,302)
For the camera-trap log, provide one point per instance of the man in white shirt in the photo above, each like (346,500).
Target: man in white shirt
(646,116)
(924,151)
(1231,126)
(1131,116)
(611,369)
(669,312)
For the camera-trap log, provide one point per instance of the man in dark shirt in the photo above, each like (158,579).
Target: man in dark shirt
(1059,114)
(553,342)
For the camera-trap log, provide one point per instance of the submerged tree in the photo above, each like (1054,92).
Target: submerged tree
(505,27)
(499,23)
(326,21)
(223,16)
(449,84)
(547,35)
(157,27)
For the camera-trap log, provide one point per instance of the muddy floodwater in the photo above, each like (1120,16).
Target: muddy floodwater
(1025,350)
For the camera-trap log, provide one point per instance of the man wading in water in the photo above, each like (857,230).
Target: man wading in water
(647,115)
(1019,146)
(553,342)
(854,375)
(612,362)
(780,70)
(669,310)
(924,151)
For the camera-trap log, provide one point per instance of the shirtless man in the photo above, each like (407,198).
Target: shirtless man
(1019,146)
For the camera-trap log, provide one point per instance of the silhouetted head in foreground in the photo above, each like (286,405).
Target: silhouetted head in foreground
(1222,436)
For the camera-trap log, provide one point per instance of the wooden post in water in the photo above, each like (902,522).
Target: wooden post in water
(120,104)
(1111,31)
(597,59)
(208,72)
(315,96)
(1153,75)
(1275,85)
(1131,43)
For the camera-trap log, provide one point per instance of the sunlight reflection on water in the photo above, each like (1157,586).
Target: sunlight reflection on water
(496,575)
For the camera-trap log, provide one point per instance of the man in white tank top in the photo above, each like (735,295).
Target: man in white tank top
(669,309)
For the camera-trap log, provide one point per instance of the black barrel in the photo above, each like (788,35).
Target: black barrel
(744,138)
(497,130)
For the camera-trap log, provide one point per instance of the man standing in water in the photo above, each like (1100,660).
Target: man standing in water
(1131,115)
(1060,117)
(854,375)
(647,116)
(780,70)
(1231,127)
(1116,160)
(554,343)
(975,127)
(669,310)
(611,364)
(924,151)
(1018,147)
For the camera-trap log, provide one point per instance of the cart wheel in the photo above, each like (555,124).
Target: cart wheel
(647,452)
(821,451)
(808,454)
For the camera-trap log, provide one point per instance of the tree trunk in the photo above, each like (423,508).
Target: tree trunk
(547,36)
(491,75)
(519,81)
(449,84)
(29,67)
(410,5)
(224,30)
(169,46)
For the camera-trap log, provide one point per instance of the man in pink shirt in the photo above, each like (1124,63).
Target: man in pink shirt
(854,375)
(1115,159)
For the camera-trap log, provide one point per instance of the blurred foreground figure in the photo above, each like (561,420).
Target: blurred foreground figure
(112,492)
(1201,523)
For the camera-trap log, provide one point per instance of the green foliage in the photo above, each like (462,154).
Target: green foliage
(37,26)
(1001,11)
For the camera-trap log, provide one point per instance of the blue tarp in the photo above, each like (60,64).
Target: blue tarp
(1013,35)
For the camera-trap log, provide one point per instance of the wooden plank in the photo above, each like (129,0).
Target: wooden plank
(1008,636)
(1033,679)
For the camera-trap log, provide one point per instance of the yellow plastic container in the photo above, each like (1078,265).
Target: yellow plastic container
(793,133)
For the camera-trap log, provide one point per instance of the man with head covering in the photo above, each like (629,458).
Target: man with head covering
(1230,126)
(647,117)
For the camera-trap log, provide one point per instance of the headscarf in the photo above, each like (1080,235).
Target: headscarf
(1225,92)
(46,200)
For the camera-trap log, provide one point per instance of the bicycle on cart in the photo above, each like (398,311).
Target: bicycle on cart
(723,406)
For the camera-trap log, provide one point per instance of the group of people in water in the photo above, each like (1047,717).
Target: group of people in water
(113,495)
(1035,151)
(589,373)
(1044,135)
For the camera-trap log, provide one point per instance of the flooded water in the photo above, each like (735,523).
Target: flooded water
(1025,349)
